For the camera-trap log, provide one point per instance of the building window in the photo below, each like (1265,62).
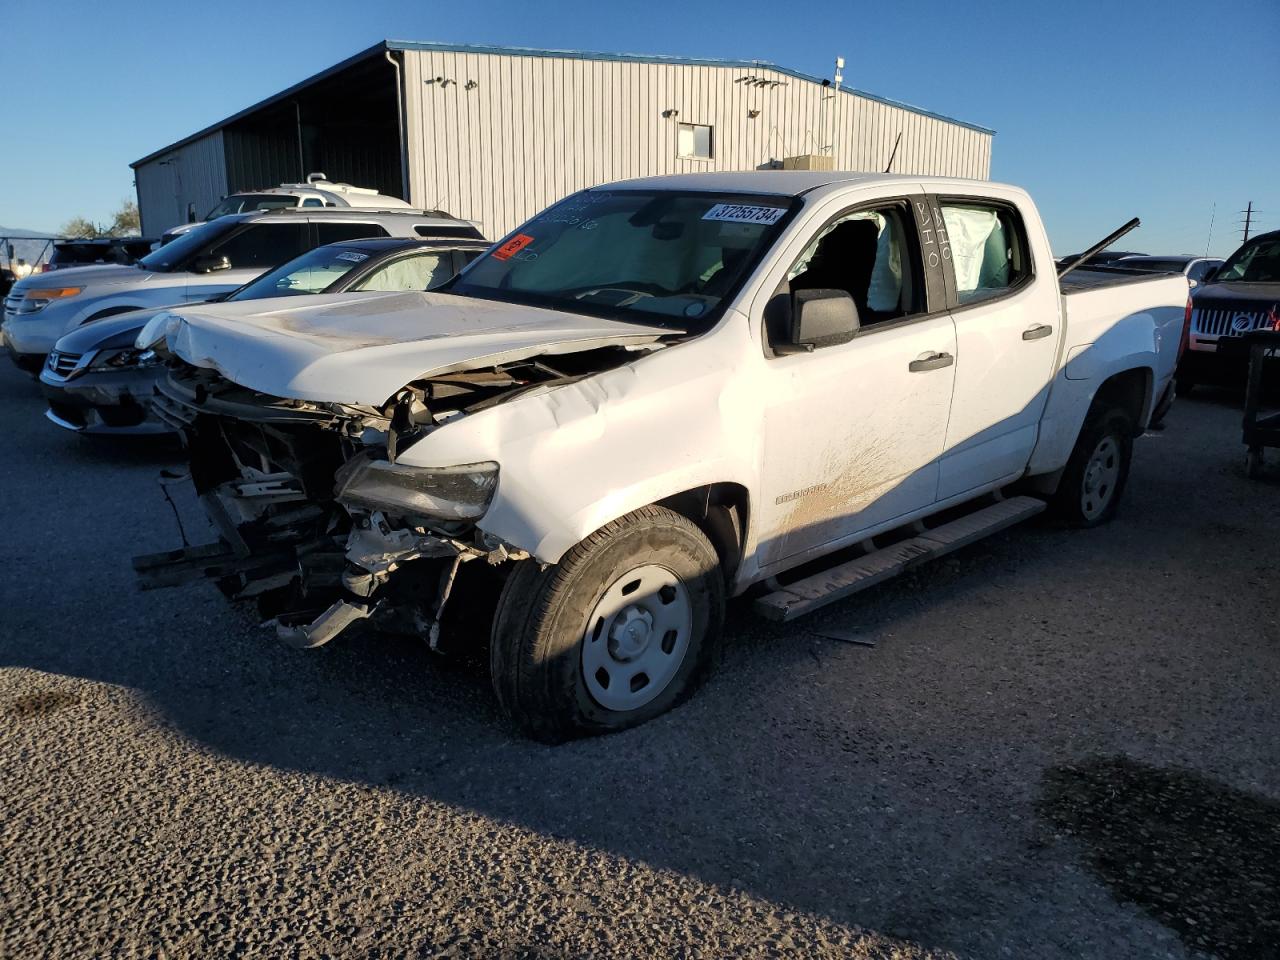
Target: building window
(693,140)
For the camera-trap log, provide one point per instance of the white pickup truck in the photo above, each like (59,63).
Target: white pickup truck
(655,395)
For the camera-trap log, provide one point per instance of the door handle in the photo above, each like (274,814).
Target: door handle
(935,361)
(1038,332)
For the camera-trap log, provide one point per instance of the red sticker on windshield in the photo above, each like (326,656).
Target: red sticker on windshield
(512,246)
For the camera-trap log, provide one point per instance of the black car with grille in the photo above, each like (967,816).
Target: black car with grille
(1240,296)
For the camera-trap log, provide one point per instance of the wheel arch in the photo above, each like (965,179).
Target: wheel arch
(110,312)
(722,511)
(1131,391)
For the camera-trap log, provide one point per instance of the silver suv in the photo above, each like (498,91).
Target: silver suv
(213,258)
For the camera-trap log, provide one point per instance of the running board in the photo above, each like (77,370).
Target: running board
(805,596)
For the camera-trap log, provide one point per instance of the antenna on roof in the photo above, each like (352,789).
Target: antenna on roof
(889,166)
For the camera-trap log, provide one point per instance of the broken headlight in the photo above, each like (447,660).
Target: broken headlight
(462,492)
(128,357)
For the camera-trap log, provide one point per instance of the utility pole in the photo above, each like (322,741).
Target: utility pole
(1248,220)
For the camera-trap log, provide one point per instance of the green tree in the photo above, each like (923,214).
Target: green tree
(79,227)
(126,222)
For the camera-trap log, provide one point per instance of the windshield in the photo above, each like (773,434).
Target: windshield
(313,272)
(251,202)
(1257,262)
(637,255)
(180,249)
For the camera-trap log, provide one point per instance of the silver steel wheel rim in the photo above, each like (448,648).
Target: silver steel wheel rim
(636,638)
(1101,474)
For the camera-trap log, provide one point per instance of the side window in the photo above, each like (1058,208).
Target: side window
(313,202)
(988,249)
(333,232)
(871,255)
(263,245)
(463,257)
(694,141)
(423,271)
(865,254)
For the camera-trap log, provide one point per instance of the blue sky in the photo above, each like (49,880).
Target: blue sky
(1102,110)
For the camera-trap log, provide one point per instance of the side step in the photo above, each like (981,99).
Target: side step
(805,596)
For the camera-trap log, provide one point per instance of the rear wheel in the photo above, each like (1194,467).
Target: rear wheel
(1096,474)
(623,628)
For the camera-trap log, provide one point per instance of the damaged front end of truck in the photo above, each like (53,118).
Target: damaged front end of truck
(317,521)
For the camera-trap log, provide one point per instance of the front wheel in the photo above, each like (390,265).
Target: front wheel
(623,628)
(1098,469)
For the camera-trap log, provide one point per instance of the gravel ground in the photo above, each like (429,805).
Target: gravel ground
(1005,773)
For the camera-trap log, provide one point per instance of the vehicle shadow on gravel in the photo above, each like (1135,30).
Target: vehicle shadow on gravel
(1201,858)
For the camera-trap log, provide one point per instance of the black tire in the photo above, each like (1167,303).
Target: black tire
(1072,502)
(537,649)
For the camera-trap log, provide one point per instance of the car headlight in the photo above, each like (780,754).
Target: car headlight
(126,357)
(37,298)
(459,492)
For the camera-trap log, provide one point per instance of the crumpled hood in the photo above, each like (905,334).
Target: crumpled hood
(360,348)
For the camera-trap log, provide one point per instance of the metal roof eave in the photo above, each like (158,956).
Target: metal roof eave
(284,94)
(427,45)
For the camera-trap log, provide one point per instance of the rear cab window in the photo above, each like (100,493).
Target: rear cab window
(989,254)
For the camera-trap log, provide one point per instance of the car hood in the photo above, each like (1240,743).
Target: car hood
(119,330)
(360,348)
(91,278)
(1235,295)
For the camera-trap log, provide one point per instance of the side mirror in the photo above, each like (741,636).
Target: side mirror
(820,318)
(210,263)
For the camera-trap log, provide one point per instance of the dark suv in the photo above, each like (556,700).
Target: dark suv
(87,253)
(1240,296)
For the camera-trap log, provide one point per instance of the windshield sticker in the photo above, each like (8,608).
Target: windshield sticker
(744,213)
(352,256)
(512,246)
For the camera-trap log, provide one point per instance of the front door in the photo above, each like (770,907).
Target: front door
(853,432)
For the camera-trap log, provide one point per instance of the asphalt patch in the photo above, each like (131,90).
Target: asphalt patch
(1200,857)
(38,703)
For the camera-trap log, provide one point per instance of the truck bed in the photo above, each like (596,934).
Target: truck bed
(1093,278)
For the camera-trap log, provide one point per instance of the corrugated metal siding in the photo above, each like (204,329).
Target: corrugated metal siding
(193,173)
(533,129)
(260,158)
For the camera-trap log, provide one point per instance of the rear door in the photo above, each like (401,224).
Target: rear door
(1006,341)
(852,432)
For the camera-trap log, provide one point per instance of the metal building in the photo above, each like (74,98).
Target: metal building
(494,134)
